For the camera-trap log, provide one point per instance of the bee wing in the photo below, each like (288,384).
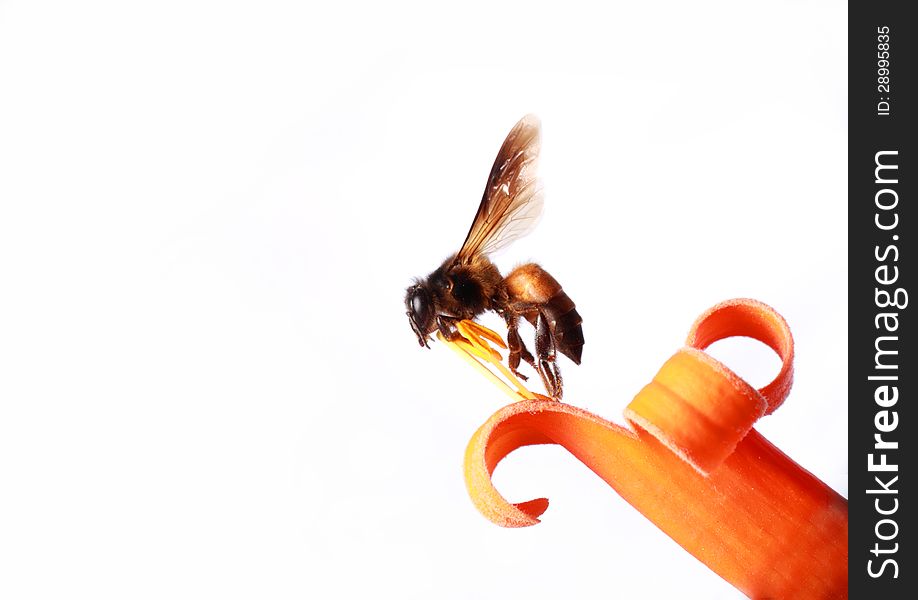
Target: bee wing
(512,201)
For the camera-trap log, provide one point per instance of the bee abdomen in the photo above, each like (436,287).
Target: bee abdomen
(565,323)
(531,284)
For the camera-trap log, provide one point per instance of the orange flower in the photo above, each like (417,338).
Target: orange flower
(691,463)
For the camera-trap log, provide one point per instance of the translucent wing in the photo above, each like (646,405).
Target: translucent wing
(512,201)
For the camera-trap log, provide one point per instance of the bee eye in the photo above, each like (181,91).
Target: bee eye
(419,308)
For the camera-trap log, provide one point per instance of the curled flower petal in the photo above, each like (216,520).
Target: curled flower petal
(693,465)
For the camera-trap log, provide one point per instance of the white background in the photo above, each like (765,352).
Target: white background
(209,212)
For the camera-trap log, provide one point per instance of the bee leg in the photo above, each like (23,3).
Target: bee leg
(545,351)
(447,327)
(517,348)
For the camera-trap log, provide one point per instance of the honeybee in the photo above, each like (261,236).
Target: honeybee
(468,283)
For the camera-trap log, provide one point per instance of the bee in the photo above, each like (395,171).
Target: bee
(467,283)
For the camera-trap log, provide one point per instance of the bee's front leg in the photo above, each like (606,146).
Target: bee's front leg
(446,325)
(547,363)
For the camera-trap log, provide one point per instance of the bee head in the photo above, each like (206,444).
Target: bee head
(419,303)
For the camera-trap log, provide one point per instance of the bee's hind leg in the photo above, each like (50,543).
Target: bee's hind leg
(517,347)
(547,355)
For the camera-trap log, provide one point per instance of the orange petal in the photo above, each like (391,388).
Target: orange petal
(757,320)
(750,513)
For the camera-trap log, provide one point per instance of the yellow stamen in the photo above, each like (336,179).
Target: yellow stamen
(473,347)
(483,331)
